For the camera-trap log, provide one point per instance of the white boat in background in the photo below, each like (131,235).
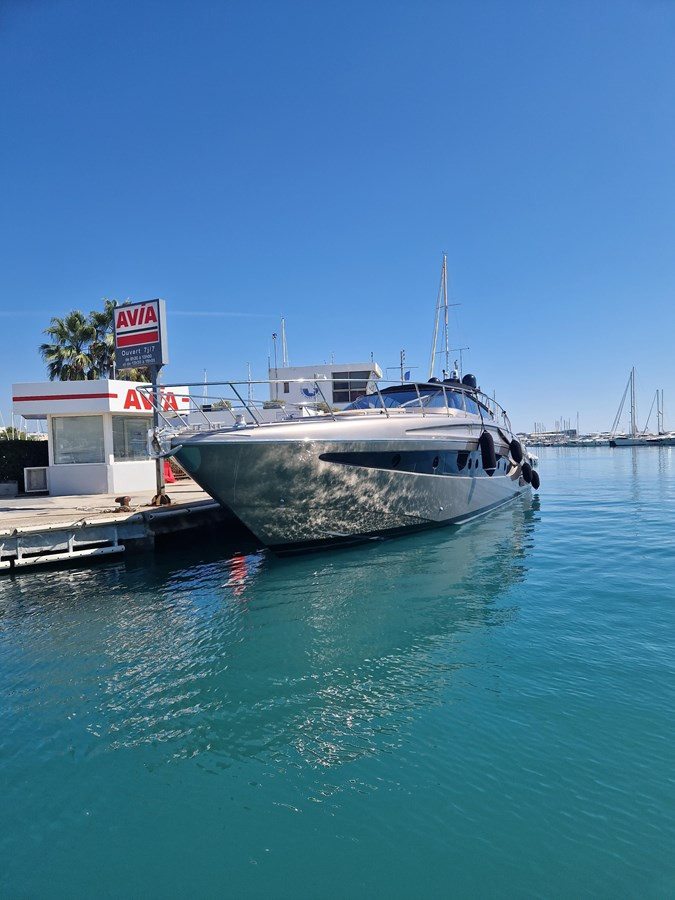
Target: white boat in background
(663,438)
(592,441)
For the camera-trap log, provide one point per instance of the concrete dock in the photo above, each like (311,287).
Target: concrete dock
(42,529)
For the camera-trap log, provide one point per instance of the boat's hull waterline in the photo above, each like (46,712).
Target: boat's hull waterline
(297,486)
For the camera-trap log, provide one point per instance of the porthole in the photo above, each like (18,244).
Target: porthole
(434,464)
(395,460)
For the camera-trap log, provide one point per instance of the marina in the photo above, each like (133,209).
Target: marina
(633,437)
(327,570)
(299,475)
(480,706)
(334,457)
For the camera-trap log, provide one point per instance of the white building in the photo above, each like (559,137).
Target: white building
(346,382)
(97,432)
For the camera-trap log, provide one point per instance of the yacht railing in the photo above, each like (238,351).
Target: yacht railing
(223,404)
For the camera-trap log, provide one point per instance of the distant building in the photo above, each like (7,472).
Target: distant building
(345,382)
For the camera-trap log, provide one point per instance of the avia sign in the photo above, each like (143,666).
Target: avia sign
(64,398)
(139,400)
(140,335)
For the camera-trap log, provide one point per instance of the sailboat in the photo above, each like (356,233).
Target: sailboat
(663,438)
(634,438)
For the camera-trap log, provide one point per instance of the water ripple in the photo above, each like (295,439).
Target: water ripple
(487,707)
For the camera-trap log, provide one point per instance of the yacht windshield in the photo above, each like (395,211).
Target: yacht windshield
(429,398)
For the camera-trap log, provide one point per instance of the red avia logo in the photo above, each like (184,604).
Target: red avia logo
(137,324)
(134,316)
(141,401)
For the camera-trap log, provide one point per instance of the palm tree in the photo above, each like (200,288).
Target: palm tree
(69,358)
(84,348)
(103,343)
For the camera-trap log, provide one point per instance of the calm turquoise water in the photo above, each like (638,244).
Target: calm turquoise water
(479,712)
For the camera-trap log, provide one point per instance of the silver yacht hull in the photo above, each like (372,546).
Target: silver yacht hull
(303,484)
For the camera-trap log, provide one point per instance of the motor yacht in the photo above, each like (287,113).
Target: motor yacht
(399,458)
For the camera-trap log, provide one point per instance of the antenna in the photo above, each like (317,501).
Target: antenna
(276,371)
(284,348)
(461,350)
(401,368)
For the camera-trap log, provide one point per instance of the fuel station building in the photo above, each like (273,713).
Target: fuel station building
(97,432)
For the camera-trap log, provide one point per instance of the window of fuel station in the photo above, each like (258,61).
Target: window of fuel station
(130,437)
(78,439)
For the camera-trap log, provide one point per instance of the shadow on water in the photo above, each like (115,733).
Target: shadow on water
(226,653)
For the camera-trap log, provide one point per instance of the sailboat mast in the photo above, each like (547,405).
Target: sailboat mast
(659,414)
(633,407)
(445,308)
(432,364)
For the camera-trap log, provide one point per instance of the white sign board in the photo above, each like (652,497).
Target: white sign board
(140,335)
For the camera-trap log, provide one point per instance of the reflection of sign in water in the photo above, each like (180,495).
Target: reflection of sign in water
(308,392)
(140,335)
(238,574)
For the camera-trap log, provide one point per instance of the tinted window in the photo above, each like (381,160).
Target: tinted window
(374,401)
(434,401)
(425,398)
(455,400)
(429,399)
(348,386)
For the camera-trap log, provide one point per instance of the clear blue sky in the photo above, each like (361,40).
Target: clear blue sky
(247,160)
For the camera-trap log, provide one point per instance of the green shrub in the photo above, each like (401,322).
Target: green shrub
(17,455)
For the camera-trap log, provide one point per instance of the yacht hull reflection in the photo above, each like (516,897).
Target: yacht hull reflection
(322,660)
